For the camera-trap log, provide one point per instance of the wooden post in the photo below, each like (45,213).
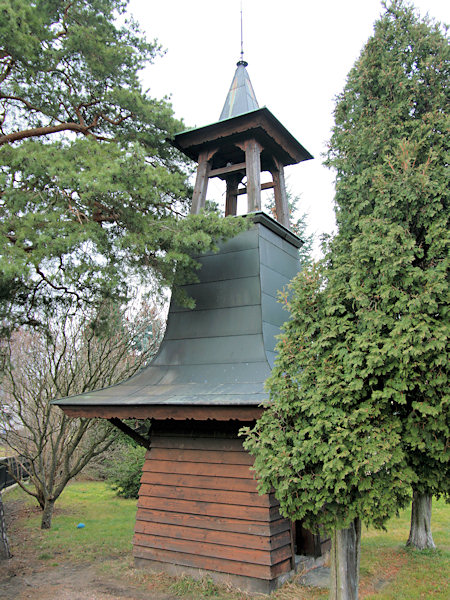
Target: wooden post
(201,181)
(293,544)
(253,169)
(281,202)
(233,180)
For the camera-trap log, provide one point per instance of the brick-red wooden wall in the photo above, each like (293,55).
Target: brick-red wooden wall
(198,507)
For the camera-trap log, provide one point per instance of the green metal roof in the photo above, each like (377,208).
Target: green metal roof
(241,97)
(221,352)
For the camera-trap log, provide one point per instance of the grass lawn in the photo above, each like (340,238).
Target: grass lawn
(108,523)
(388,570)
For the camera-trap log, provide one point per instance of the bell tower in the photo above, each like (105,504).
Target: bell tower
(245,141)
(199,510)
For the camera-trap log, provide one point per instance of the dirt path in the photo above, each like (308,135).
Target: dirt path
(72,583)
(23,577)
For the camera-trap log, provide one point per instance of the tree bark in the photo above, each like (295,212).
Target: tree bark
(47,514)
(420,532)
(4,545)
(345,555)
(40,131)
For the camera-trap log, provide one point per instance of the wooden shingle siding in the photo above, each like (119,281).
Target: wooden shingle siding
(199,507)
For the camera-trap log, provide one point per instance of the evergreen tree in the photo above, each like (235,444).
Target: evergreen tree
(92,195)
(358,407)
(298,223)
(390,150)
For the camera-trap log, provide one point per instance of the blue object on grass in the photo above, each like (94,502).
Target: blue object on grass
(81,525)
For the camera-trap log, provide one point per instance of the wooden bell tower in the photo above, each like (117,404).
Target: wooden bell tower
(244,142)
(199,511)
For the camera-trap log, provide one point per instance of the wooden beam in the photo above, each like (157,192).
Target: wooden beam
(225,170)
(281,201)
(161,412)
(253,170)
(233,180)
(201,181)
(265,186)
(134,435)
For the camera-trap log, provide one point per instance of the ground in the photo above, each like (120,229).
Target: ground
(95,562)
(25,576)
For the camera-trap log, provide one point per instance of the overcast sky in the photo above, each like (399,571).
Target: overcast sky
(299,55)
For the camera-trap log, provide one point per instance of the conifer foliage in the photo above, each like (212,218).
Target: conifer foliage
(358,407)
(92,195)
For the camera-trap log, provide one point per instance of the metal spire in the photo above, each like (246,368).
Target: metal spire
(242,41)
(241,97)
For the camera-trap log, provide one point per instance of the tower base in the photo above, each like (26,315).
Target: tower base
(199,512)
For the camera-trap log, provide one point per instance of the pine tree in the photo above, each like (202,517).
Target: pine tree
(358,408)
(92,194)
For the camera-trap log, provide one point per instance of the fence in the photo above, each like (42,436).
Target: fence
(12,468)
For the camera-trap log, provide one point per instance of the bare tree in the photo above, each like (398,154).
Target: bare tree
(77,354)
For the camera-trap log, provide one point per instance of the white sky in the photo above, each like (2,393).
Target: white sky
(299,55)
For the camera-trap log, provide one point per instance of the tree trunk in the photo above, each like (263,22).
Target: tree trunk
(345,555)
(47,514)
(420,533)
(4,546)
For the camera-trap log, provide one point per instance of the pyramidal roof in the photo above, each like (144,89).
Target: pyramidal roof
(241,97)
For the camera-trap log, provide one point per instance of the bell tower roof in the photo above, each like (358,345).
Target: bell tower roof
(241,96)
(245,141)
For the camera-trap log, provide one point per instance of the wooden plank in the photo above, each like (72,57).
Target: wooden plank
(225,170)
(220,496)
(201,456)
(200,481)
(161,412)
(201,562)
(232,525)
(213,470)
(224,538)
(212,509)
(197,443)
(245,555)
(279,524)
(196,429)
(280,568)
(264,186)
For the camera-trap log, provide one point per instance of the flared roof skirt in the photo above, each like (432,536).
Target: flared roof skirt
(221,352)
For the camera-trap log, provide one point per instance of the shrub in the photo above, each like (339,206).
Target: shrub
(124,475)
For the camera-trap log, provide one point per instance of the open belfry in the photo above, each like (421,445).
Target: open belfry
(199,511)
